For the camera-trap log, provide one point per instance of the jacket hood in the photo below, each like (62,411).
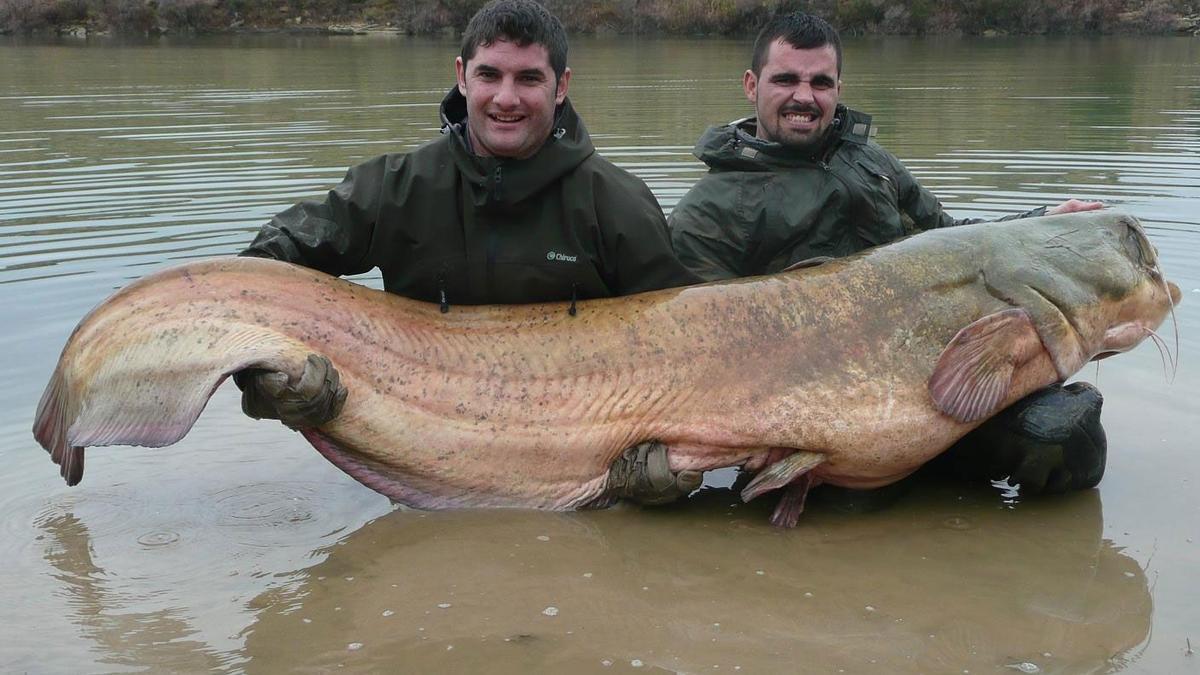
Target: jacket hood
(509,180)
(734,147)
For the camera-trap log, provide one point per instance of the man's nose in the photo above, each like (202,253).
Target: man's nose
(803,92)
(506,94)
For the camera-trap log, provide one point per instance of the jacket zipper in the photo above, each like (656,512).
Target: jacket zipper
(497,179)
(492,237)
(444,301)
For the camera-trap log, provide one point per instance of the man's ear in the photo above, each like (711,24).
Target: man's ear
(563,82)
(750,85)
(460,70)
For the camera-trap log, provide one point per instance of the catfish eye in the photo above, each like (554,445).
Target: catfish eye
(1139,249)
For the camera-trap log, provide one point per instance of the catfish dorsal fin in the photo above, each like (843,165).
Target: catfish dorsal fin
(973,375)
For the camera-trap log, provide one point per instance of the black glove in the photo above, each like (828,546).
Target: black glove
(316,398)
(1048,442)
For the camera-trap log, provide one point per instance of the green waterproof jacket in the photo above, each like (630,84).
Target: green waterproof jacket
(446,226)
(763,207)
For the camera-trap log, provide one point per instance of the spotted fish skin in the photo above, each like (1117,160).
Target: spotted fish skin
(871,364)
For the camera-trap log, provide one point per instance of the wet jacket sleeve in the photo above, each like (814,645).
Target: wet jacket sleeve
(705,234)
(925,210)
(638,246)
(332,235)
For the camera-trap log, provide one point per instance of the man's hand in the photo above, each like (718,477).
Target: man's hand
(643,474)
(1074,206)
(316,398)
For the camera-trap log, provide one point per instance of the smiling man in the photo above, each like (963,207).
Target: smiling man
(803,180)
(511,205)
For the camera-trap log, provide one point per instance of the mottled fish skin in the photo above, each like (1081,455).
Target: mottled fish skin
(527,406)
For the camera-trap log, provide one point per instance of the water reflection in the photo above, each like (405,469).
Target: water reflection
(122,634)
(938,584)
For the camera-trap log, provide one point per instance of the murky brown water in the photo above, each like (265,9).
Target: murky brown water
(241,549)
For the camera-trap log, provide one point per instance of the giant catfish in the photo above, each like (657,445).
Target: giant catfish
(853,372)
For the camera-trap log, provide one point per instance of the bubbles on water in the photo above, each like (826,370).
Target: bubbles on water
(354,646)
(158,538)
(550,611)
(1025,667)
(958,523)
(265,504)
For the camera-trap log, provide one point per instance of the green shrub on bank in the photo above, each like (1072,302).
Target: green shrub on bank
(623,16)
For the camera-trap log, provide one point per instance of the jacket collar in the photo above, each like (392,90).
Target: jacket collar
(567,146)
(734,146)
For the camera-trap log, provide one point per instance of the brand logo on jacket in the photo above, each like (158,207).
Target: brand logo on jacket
(561,257)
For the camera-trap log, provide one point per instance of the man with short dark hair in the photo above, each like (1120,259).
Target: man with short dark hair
(511,205)
(803,180)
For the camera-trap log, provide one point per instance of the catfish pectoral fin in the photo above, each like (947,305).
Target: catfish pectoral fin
(781,473)
(974,372)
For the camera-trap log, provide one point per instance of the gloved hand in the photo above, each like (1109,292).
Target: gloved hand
(1048,442)
(643,474)
(314,399)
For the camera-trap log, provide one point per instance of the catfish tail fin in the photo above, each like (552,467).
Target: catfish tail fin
(120,405)
(50,429)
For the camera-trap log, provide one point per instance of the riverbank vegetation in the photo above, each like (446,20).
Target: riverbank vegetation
(666,17)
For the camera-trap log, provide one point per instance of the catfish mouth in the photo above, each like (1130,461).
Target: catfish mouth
(1125,336)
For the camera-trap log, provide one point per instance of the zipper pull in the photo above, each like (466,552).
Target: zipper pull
(496,178)
(445,304)
(574,287)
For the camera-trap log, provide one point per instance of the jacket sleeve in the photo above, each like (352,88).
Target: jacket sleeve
(639,256)
(925,210)
(332,235)
(704,235)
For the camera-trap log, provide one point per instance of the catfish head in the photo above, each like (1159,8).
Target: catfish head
(1078,287)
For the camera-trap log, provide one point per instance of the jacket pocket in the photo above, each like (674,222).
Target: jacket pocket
(880,190)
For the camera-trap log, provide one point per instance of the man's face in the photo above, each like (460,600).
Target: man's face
(795,95)
(511,93)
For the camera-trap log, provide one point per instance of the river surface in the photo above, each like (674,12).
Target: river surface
(240,549)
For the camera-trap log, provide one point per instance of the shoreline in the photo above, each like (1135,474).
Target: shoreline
(658,18)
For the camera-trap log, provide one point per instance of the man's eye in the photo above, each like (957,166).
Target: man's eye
(485,75)
(822,84)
